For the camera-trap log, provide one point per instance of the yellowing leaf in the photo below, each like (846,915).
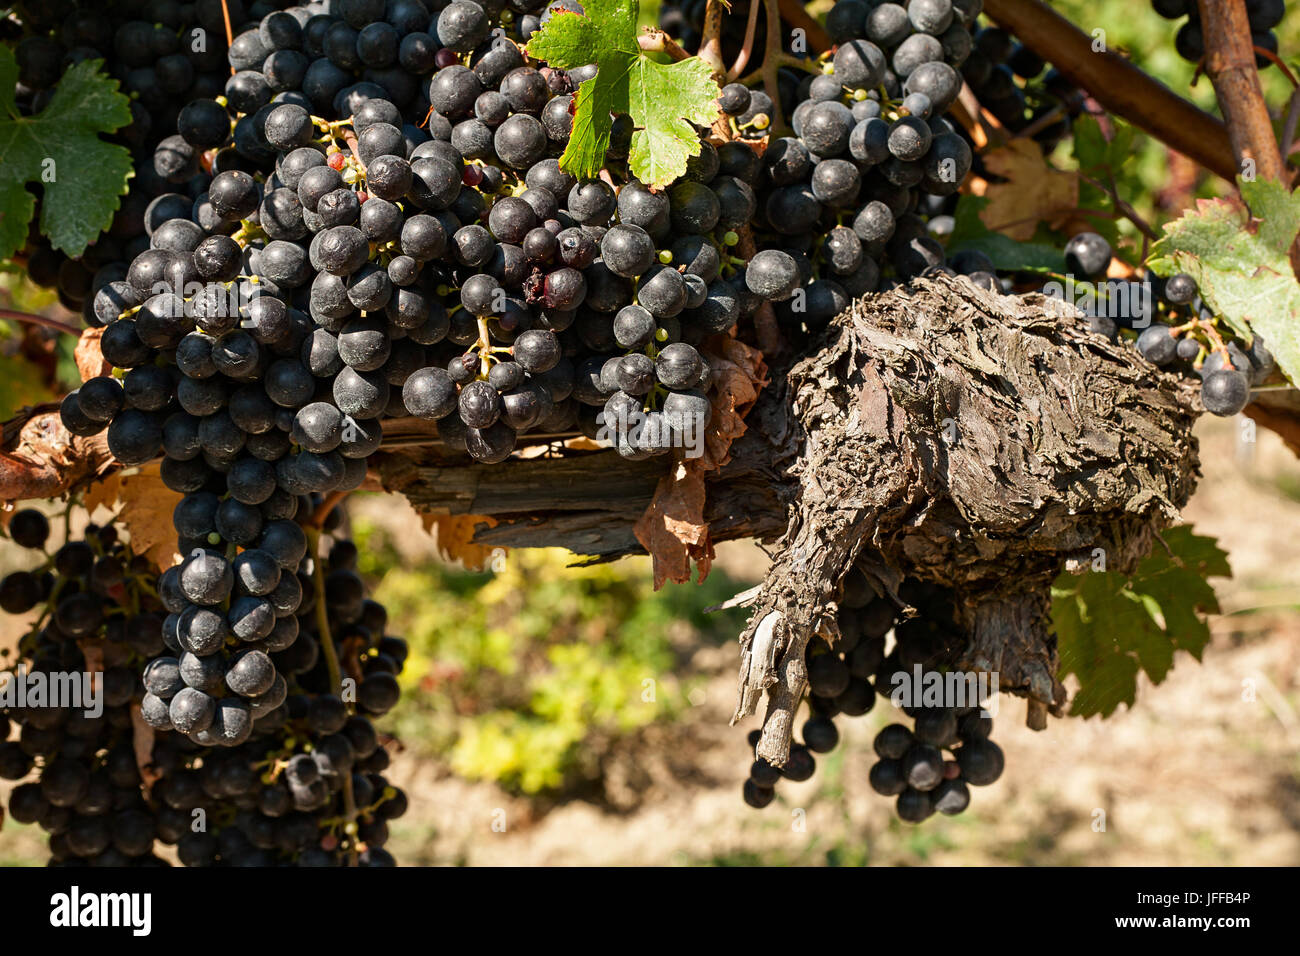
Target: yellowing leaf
(144,506)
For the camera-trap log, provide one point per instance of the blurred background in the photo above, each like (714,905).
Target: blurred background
(557,715)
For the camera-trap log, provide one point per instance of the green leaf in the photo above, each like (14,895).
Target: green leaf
(665,99)
(1240,261)
(1097,155)
(1110,626)
(584,155)
(969,232)
(81,175)
(662,99)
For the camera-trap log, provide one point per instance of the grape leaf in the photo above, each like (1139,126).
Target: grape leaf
(1110,625)
(1239,259)
(1094,152)
(662,99)
(665,99)
(1031,191)
(81,175)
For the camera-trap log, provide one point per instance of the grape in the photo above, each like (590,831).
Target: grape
(819,734)
(936,727)
(914,806)
(1225,391)
(29,528)
(923,767)
(858,64)
(627,250)
(1157,345)
(800,766)
(887,778)
(591,202)
(1087,254)
(756,796)
(981,762)
(772,274)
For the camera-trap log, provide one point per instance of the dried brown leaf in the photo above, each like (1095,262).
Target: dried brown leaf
(454,537)
(40,459)
(90,360)
(1034,191)
(672,529)
(144,506)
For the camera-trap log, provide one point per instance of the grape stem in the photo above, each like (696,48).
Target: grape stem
(484,346)
(332,666)
(1279,63)
(711,39)
(230,33)
(31,318)
(751,29)
(655,40)
(1124,209)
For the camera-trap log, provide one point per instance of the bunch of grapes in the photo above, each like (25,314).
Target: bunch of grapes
(302,786)
(1170,325)
(163,55)
(1189,41)
(845,679)
(95,605)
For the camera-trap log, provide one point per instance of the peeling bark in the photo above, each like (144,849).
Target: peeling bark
(976,441)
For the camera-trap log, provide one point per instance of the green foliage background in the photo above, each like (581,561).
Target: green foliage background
(527,674)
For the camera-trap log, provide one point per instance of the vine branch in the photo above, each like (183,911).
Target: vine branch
(1230,65)
(1118,85)
(31,318)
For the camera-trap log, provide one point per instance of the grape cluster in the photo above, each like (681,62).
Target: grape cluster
(1170,325)
(304,784)
(94,599)
(163,55)
(1013,83)
(1189,41)
(845,679)
(843,204)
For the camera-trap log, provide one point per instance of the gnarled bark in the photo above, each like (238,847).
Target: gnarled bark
(973,440)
